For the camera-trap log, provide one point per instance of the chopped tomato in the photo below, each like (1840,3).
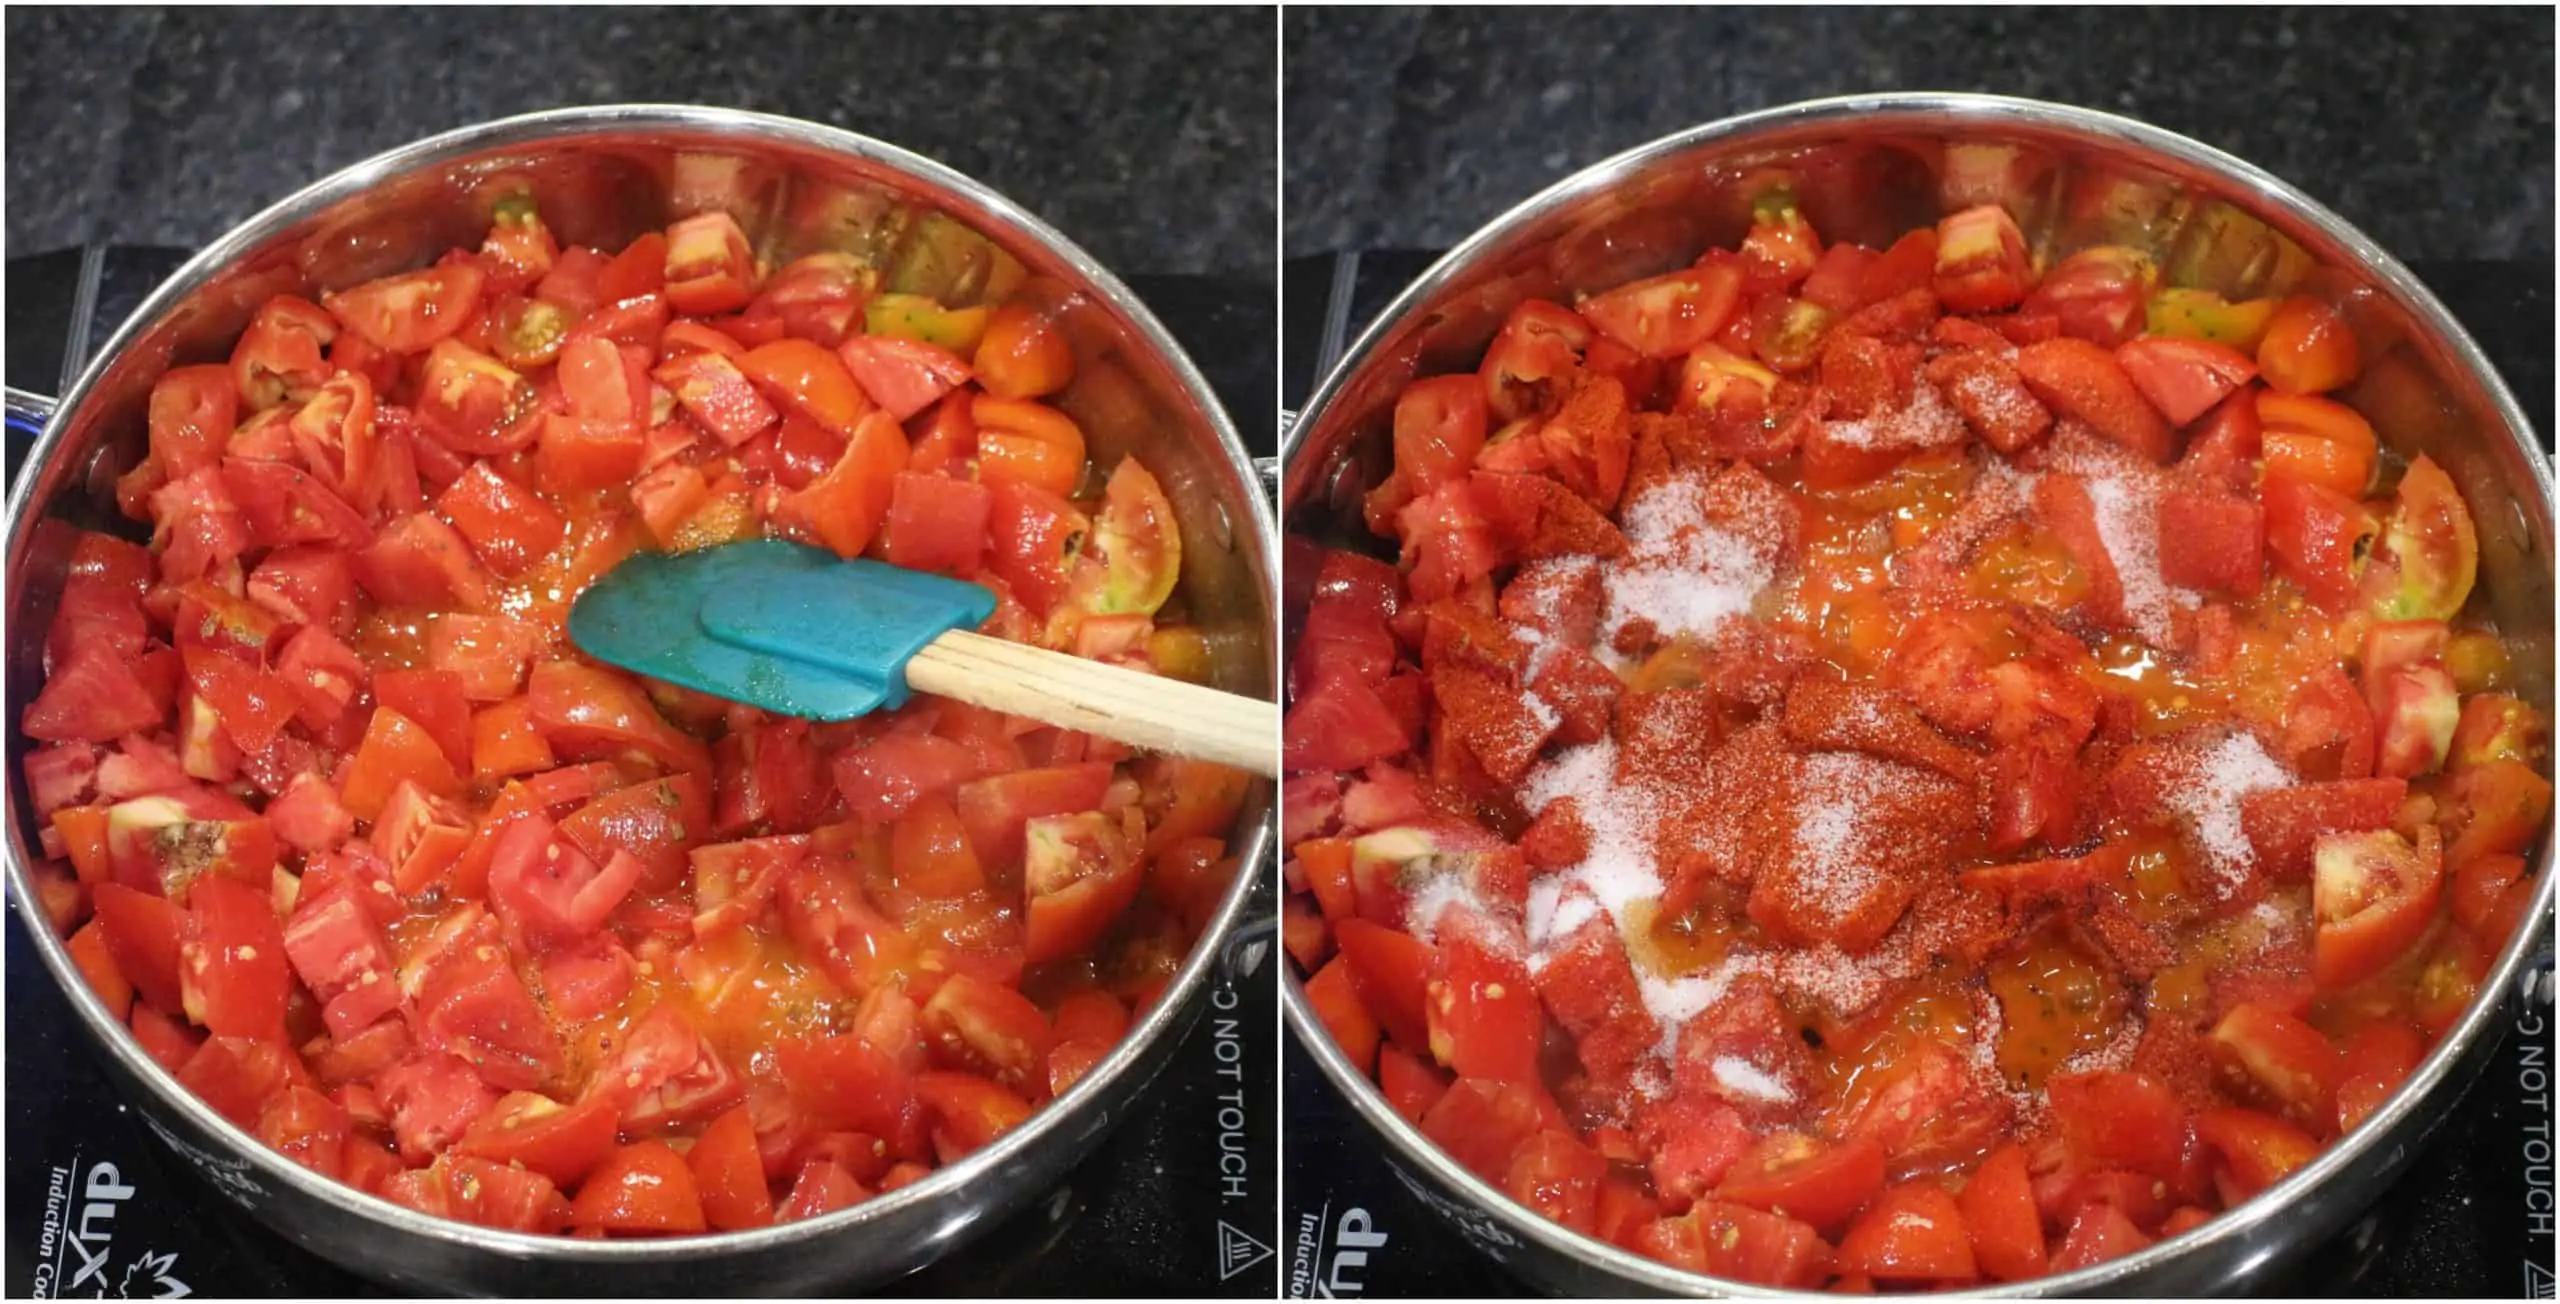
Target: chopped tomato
(1024,353)
(2182,378)
(640,1189)
(848,504)
(715,393)
(563,1142)
(710,267)
(2318,538)
(2001,1218)
(902,376)
(1981,261)
(1439,428)
(2431,545)
(936,523)
(1670,314)
(1034,539)
(1821,1185)
(812,380)
(1526,369)
(2307,348)
(410,312)
(1029,443)
(280,356)
(1912,1232)
(2316,441)
(2257,1151)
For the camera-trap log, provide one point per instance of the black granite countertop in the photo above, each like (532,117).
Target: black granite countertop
(2428,128)
(1146,135)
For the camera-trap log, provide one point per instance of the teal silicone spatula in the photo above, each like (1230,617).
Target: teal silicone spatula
(798,631)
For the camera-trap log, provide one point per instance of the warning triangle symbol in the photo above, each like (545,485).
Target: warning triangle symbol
(2537,1279)
(1237,1251)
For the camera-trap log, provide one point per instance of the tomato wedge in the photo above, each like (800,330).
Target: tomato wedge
(409,313)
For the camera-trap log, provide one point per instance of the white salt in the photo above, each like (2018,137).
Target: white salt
(1673,1002)
(1840,848)
(2208,795)
(1432,897)
(1926,422)
(2125,493)
(1684,575)
(1744,1078)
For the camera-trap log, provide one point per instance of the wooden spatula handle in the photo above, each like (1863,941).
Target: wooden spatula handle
(1129,706)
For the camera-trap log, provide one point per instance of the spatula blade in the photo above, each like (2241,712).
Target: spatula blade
(645,616)
(777,625)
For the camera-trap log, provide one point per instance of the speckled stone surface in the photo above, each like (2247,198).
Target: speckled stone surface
(2428,128)
(1147,135)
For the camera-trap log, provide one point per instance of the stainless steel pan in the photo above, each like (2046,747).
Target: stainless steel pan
(1868,168)
(601,177)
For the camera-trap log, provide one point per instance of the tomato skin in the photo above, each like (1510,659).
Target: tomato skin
(562,1142)
(2257,1151)
(2099,1232)
(232,975)
(2316,537)
(2098,294)
(936,523)
(96,696)
(729,1174)
(507,526)
(811,379)
(710,267)
(239,1075)
(844,1083)
(2372,898)
(2079,379)
(1981,261)
(1034,536)
(2212,541)
(2000,1215)
(1912,1232)
(1824,1186)
(396,748)
(1028,442)
(2307,348)
(584,711)
(2116,1119)
(2184,379)
(2372,1065)
(142,935)
(643,1189)
(2494,809)
(410,312)
(1024,353)
(1670,314)
(1337,1002)
(848,504)
(1439,428)
(2489,894)
(902,376)
(2317,441)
